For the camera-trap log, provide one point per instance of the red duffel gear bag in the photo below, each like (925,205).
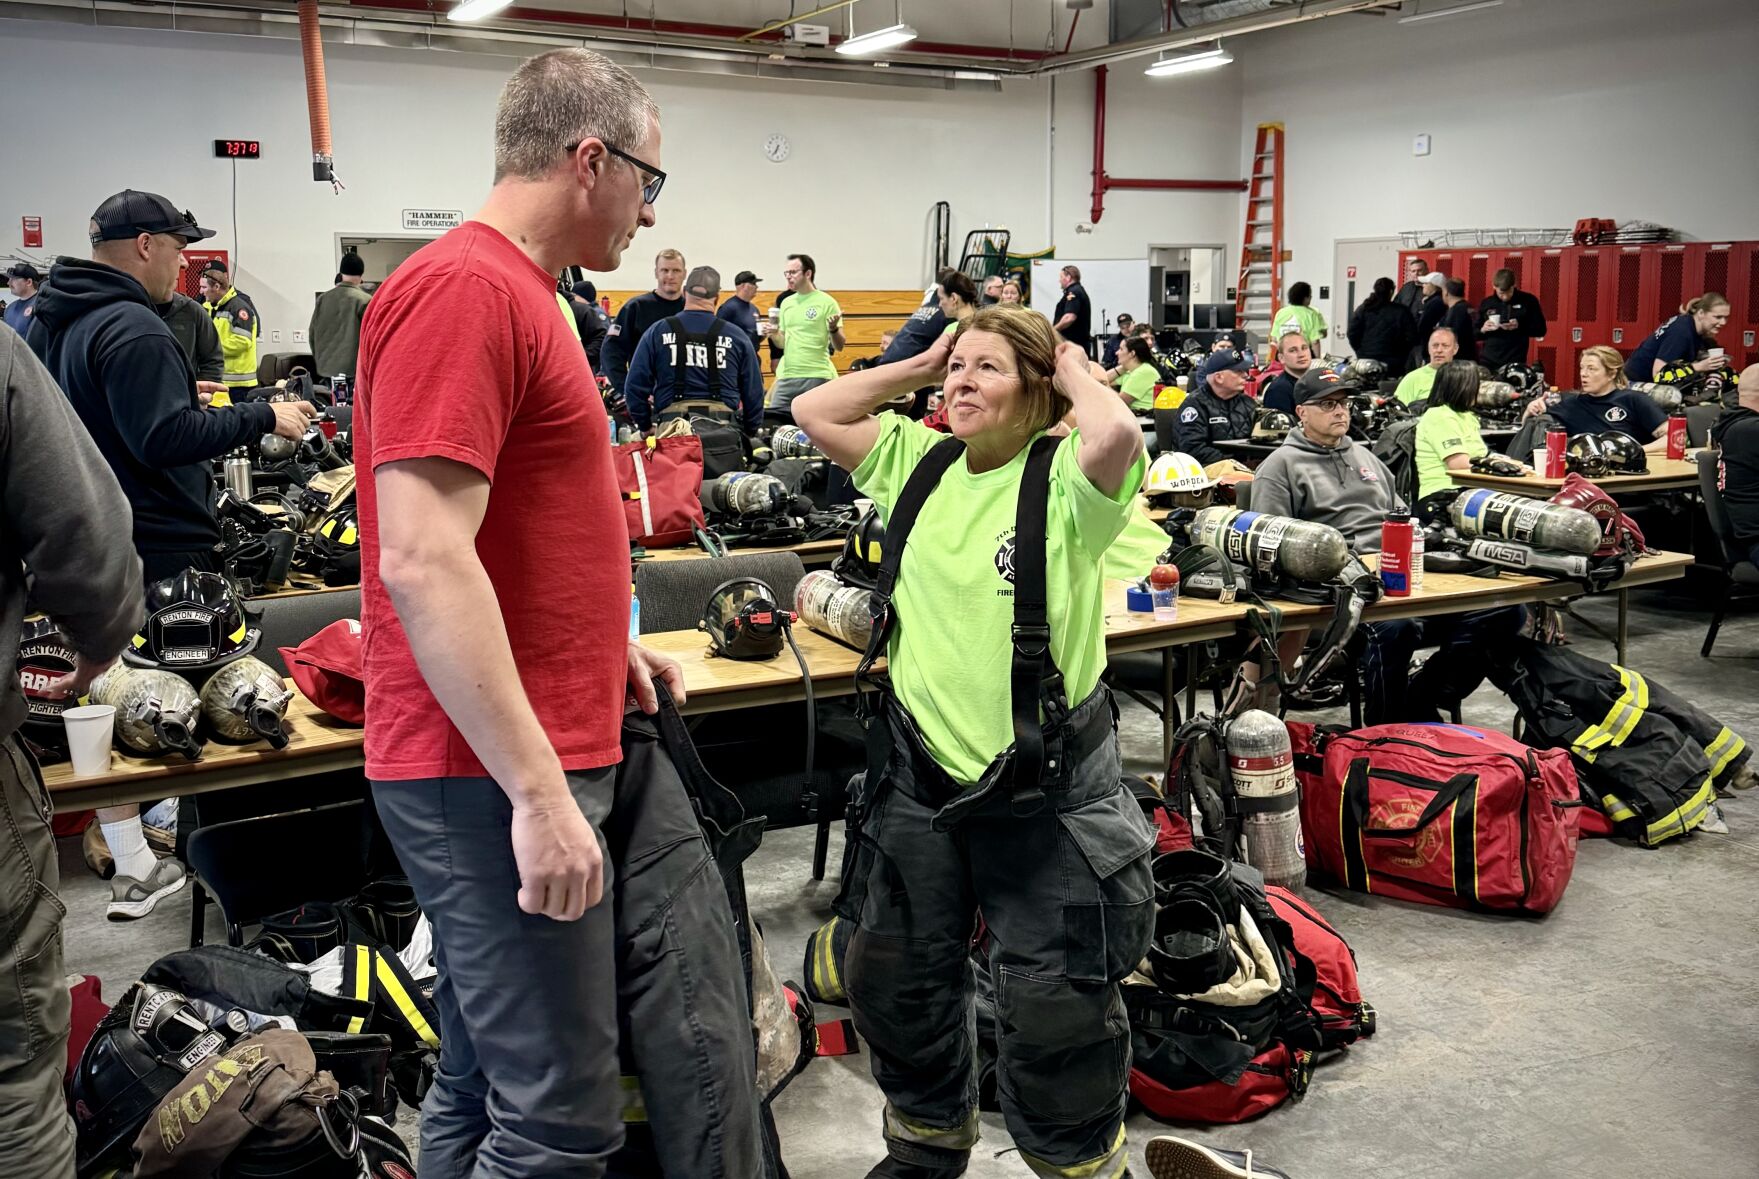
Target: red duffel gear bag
(1344,1017)
(661,482)
(1274,1076)
(327,669)
(1440,814)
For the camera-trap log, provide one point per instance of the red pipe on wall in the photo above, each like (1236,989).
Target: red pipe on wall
(1102,182)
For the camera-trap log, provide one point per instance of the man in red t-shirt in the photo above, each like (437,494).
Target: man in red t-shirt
(495,608)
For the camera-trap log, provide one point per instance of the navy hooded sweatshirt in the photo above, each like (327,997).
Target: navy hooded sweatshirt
(100,336)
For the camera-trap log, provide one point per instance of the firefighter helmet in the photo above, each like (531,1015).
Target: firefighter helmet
(863,550)
(44,656)
(1624,454)
(1181,479)
(1586,456)
(195,622)
(1272,426)
(1364,373)
(335,547)
(1524,378)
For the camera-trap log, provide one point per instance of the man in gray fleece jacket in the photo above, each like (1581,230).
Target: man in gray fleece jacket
(65,539)
(1321,474)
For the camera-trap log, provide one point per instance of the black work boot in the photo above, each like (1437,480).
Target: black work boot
(929,1162)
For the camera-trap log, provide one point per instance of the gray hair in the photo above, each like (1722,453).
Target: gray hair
(563,97)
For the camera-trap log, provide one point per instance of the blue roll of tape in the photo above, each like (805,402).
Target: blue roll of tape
(1138,601)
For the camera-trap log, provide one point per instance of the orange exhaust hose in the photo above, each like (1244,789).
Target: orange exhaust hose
(317,96)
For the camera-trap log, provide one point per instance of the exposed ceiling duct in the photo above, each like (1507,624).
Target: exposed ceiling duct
(676,45)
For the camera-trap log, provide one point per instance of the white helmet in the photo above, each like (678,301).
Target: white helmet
(1178,474)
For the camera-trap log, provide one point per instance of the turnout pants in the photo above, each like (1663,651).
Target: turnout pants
(556,1035)
(1067,902)
(1392,694)
(36,1135)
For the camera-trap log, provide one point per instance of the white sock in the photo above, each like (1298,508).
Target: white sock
(128,847)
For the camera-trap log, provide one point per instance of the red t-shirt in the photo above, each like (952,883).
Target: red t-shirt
(464,355)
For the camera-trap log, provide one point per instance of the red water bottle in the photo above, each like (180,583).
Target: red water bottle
(1676,436)
(1395,555)
(1556,444)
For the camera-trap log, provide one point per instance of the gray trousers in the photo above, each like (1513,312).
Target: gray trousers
(783,392)
(36,1135)
(527,1083)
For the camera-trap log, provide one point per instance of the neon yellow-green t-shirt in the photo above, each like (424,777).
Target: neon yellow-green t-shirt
(1440,432)
(951,650)
(1139,385)
(805,321)
(1416,384)
(1137,548)
(1311,323)
(567,314)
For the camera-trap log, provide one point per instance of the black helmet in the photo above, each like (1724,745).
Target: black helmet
(1623,454)
(1271,425)
(1524,378)
(1680,372)
(863,550)
(195,622)
(1586,456)
(1365,373)
(44,655)
(335,547)
(141,1050)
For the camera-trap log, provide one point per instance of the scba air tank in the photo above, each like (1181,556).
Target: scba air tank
(1273,544)
(1262,766)
(1501,515)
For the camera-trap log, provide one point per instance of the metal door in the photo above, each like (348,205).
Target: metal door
(1370,258)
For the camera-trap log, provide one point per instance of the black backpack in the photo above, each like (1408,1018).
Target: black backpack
(1397,448)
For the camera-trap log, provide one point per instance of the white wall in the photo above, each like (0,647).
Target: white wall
(413,129)
(1541,112)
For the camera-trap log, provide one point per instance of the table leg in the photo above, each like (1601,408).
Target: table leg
(1169,713)
(1191,679)
(1624,623)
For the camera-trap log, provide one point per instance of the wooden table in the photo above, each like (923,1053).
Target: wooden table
(1664,474)
(812,553)
(320,744)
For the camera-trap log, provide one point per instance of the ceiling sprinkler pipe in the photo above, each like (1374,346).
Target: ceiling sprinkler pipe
(317,94)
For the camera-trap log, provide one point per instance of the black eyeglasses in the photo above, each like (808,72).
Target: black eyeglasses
(650,192)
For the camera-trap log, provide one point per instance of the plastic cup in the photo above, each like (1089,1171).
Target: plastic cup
(863,506)
(89,731)
(1166,603)
(1539,460)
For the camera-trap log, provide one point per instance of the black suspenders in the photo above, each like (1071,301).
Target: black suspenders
(1034,680)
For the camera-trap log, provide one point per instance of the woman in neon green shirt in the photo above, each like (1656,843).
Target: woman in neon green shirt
(1136,376)
(1298,312)
(1448,438)
(942,826)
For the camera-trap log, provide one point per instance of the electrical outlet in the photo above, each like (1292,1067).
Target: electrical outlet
(299,335)
(275,335)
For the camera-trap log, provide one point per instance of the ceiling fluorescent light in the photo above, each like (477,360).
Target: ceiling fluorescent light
(877,41)
(1456,10)
(1190,63)
(976,76)
(469,10)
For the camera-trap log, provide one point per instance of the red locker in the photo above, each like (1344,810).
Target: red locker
(1553,353)
(1634,278)
(1741,336)
(1671,291)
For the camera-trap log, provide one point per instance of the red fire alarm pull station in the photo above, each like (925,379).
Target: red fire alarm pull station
(33,233)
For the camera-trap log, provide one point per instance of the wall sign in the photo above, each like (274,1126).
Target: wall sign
(432,218)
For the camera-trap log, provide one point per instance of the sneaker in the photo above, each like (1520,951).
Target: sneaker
(131,898)
(1175,1158)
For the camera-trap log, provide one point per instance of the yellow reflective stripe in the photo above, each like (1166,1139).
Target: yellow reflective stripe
(1111,1165)
(237,636)
(960,1137)
(824,967)
(405,1002)
(1620,719)
(1684,818)
(634,1105)
(1721,757)
(363,982)
(140,641)
(1637,709)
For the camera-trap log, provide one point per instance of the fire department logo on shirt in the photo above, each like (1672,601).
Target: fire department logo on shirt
(1368,474)
(1005,558)
(1615,413)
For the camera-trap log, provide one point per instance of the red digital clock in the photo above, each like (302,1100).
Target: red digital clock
(238,149)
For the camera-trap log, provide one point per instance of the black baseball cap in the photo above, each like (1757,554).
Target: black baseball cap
(25,270)
(1227,360)
(1317,382)
(131,212)
(745,276)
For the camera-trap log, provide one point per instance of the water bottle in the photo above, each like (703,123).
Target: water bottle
(634,614)
(238,480)
(1395,555)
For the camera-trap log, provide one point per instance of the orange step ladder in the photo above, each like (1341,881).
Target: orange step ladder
(1259,291)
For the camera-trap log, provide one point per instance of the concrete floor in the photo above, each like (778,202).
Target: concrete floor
(1612,1039)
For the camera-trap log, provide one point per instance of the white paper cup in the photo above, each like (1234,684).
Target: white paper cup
(863,506)
(1539,457)
(1715,352)
(89,731)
